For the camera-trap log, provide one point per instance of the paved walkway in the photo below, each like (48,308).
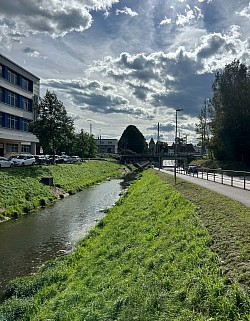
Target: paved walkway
(235,193)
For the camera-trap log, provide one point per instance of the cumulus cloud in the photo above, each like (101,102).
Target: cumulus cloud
(217,49)
(53,17)
(95,96)
(245,12)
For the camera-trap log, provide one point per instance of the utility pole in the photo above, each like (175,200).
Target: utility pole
(158,145)
(175,145)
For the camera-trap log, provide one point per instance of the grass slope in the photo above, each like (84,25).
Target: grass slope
(21,190)
(228,223)
(149,259)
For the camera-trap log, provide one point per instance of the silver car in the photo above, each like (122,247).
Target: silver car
(4,162)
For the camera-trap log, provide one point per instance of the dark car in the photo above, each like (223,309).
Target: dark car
(41,160)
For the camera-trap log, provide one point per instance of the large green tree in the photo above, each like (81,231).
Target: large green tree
(231,120)
(132,140)
(53,127)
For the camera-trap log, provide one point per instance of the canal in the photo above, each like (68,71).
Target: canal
(27,243)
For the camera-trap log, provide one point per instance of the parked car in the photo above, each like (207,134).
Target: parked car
(66,159)
(41,160)
(24,159)
(192,169)
(75,159)
(4,162)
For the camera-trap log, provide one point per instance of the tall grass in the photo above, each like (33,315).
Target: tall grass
(149,259)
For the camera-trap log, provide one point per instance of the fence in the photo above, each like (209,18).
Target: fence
(233,178)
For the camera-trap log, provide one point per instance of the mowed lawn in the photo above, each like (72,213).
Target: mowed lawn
(149,259)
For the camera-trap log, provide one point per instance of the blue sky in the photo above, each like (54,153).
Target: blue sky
(119,62)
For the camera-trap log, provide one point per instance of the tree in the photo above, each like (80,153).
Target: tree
(230,124)
(133,140)
(53,127)
(203,127)
(84,145)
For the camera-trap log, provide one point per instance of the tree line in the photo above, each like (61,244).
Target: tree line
(55,129)
(224,122)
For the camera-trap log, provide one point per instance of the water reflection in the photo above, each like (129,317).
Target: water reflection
(25,244)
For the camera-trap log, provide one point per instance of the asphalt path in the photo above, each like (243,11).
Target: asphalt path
(235,193)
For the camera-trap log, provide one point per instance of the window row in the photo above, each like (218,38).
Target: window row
(13,148)
(16,78)
(14,122)
(15,100)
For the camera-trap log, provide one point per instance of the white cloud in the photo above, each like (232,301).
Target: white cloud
(244,12)
(127,11)
(33,53)
(189,16)
(53,17)
(165,21)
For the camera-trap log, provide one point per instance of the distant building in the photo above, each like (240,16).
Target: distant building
(19,90)
(109,146)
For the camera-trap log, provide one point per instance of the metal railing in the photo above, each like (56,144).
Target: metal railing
(233,178)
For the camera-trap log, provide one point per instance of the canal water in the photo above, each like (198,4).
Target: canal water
(27,243)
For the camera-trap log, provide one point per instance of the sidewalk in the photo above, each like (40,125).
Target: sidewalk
(235,193)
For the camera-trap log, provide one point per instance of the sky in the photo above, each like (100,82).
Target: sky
(115,63)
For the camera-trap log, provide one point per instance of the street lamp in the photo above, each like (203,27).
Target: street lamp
(90,126)
(175,145)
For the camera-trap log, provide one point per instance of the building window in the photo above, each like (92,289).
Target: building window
(12,77)
(26,149)
(25,84)
(25,125)
(1,71)
(13,148)
(1,119)
(13,122)
(12,99)
(1,95)
(25,104)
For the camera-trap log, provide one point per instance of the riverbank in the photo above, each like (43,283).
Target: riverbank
(150,258)
(21,190)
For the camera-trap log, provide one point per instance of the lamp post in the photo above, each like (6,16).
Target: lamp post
(90,126)
(175,145)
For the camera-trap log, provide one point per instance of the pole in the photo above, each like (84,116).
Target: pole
(175,145)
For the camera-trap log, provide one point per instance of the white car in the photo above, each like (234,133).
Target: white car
(75,159)
(4,162)
(23,160)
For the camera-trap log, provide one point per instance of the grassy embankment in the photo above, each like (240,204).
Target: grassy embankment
(228,223)
(21,190)
(149,259)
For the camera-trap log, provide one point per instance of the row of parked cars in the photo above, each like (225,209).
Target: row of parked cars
(29,159)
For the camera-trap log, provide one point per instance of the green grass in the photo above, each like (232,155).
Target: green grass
(149,259)
(228,223)
(21,190)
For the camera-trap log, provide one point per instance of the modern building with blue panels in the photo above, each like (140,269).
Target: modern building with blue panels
(19,91)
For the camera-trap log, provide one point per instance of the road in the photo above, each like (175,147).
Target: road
(236,192)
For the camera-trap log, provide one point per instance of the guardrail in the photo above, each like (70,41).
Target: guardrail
(233,178)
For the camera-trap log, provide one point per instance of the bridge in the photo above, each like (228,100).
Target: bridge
(158,160)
